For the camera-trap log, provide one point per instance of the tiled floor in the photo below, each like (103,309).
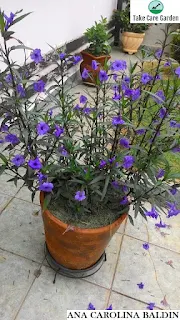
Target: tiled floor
(27,291)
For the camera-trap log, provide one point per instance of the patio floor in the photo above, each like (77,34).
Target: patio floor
(27,288)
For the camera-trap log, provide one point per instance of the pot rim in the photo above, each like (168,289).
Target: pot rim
(95,57)
(78,229)
(137,34)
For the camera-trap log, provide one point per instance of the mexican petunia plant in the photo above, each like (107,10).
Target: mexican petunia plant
(94,152)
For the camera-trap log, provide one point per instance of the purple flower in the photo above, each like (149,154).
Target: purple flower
(124,201)
(177,72)
(151,306)
(160,97)
(125,189)
(173,210)
(18,160)
(173,124)
(119,65)
(167,64)
(110,307)
(91,307)
(128,92)
(82,99)
(160,225)
(41,177)
(58,131)
(77,107)
(140,131)
(136,94)
(102,164)
(158,53)
(50,113)
(39,86)
(8,78)
(173,191)
(76,59)
(9,20)
(42,128)
(62,55)
(12,138)
(116,96)
(35,164)
(145,78)
(4,128)
(140,285)
(80,196)
(36,56)
(115,184)
(117,120)
(115,77)
(146,246)
(128,162)
(124,142)
(160,173)
(112,160)
(162,112)
(46,187)
(158,77)
(85,74)
(176,149)
(63,151)
(153,213)
(103,76)
(87,110)
(94,65)
(21,90)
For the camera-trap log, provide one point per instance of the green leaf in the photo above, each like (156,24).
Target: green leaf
(131,220)
(2,169)
(97,179)
(20,18)
(7,34)
(173,176)
(2,23)
(20,47)
(105,187)
(46,201)
(3,158)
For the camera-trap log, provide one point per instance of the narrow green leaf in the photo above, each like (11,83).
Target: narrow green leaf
(105,187)
(20,18)
(131,220)
(2,23)
(2,169)
(3,158)
(20,47)
(97,179)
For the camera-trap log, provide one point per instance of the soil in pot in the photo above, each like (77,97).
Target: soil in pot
(87,64)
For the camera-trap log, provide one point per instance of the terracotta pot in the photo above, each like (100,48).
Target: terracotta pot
(79,248)
(87,62)
(131,41)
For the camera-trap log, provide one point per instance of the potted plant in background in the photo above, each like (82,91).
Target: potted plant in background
(89,160)
(132,33)
(175,45)
(97,54)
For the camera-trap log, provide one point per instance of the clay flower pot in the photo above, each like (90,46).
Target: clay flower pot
(87,63)
(131,41)
(78,248)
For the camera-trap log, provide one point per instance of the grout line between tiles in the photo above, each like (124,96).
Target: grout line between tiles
(12,198)
(25,296)
(151,243)
(18,255)
(117,261)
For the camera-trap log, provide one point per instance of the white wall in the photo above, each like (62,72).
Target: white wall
(56,21)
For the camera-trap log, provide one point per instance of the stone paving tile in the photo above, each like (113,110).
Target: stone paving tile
(105,275)
(9,188)
(164,237)
(120,302)
(47,301)
(17,275)
(22,231)
(25,194)
(137,265)
(4,201)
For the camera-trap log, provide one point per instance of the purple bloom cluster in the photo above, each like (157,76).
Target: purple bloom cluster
(76,59)
(58,131)
(21,90)
(46,187)
(177,72)
(85,74)
(42,128)
(158,53)
(12,138)
(160,225)
(8,78)
(103,76)
(173,191)
(173,210)
(94,65)
(162,112)
(124,142)
(9,20)
(146,246)
(140,131)
(62,55)
(80,196)
(83,99)
(39,86)
(119,65)
(124,201)
(35,164)
(153,213)
(36,56)
(102,164)
(117,121)
(151,306)
(145,78)
(140,285)
(128,162)
(160,173)
(63,151)
(18,160)
(160,97)
(134,94)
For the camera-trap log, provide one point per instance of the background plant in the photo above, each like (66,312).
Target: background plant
(99,153)
(175,45)
(98,38)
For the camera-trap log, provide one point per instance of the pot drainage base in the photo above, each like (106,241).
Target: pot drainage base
(58,268)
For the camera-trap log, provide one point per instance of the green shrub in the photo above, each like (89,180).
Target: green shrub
(175,45)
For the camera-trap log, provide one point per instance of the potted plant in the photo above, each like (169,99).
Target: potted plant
(132,33)
(90,160)
(96,56)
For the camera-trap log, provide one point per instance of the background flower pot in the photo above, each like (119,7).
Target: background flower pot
(87,63)
(131,41)
(79,248)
